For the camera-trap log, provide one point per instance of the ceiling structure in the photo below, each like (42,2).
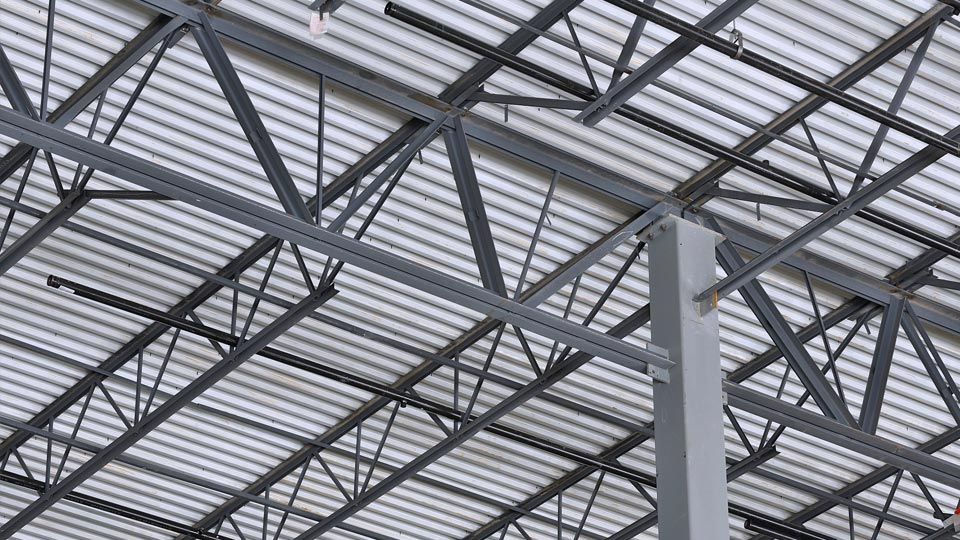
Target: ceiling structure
(389,281)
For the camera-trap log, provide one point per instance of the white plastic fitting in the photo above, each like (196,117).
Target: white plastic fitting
(319,23)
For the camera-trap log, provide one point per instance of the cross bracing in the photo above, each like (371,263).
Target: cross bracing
(518,329)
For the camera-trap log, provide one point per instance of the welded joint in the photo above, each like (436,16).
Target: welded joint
(657,373)
(76,197)
(664,221)
(952,523)
(707,305)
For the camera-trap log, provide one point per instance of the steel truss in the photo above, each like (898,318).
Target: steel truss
(39,132)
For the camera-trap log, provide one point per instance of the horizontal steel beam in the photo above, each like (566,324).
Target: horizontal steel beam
(785,338)
(245,496)
(213,282)
(527,101)
(866,482)
(163,470)
(533,296)
(116,509)
(821,427)
(844,80)
(300,55)
(667,128)
(231,206)
(547,286)
(530,391)
(867,288)
(316,366)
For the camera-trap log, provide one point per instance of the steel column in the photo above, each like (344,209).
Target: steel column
(20,118)
(691,482)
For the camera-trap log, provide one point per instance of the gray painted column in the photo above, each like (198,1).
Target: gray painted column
(688,414)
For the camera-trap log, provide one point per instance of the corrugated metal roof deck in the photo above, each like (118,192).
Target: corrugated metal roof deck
(265,411)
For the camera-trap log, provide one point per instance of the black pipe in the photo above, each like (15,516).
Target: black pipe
(404,399)
(780,531)
(355,381)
